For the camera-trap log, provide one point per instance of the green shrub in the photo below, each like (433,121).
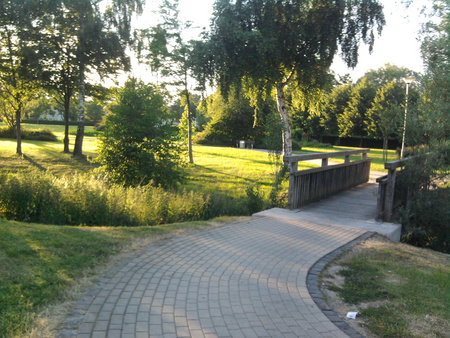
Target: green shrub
(255,200)
(426,220)
(424,211)
(43,134)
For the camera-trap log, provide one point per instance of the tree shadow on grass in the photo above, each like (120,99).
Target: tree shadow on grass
(34,163)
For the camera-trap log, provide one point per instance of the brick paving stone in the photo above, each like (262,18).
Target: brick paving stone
(246,279)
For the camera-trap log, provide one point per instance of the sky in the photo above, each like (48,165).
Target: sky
(397,45)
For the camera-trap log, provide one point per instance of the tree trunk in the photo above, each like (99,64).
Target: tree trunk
(18,131)
(66,123)
(78,149)
(188,102)
(385,147)
(282,110)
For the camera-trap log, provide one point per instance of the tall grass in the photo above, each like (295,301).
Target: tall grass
(83,199)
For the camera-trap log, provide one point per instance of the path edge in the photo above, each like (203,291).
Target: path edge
(312,283)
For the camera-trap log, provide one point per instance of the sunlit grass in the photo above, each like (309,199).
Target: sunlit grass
(375,154)
(232,170)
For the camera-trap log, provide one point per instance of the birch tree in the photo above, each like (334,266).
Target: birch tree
(282,46)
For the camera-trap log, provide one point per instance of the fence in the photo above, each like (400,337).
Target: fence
(386,190)
(311,185)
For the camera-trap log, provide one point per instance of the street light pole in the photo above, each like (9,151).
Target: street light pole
(408,81)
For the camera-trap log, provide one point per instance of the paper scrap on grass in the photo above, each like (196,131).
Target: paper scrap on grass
(352,315)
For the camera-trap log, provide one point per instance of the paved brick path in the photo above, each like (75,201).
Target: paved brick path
(239,280)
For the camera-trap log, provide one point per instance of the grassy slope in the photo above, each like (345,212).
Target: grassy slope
(399,290)
(40,264)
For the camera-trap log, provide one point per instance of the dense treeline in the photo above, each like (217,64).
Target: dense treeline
(371,108)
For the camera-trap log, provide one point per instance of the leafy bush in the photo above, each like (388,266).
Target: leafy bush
(255,200)
(43,134)
(424,211)
(32,198)
(426,220)
(138,145)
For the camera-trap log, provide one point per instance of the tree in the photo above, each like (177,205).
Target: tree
(94,112)
(101,45)
(284,45)
(385,117)
(336,103)
(169,56)
(353,120)
(436,55)
(20,38)
(139,146)
(61,76)
(232,120)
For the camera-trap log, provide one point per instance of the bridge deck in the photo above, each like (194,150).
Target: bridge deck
(356,208)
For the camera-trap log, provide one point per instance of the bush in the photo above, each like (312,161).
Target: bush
(138,145)
(424,211)
(426,220)
(43,134)
(31,197)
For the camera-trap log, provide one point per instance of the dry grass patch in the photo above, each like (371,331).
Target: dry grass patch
(399,290)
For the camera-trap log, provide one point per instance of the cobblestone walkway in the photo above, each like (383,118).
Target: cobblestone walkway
(239,280)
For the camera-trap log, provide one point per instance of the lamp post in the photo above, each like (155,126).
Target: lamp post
(408,81)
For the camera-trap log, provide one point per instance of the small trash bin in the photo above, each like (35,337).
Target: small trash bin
(242,144)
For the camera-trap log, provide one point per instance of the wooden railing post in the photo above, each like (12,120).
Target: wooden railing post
(390,191)
(293,167)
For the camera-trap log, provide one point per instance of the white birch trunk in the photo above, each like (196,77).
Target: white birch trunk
(78,149)
(286,122)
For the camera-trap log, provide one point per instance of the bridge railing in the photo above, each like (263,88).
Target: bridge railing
(386,190)
(311,185)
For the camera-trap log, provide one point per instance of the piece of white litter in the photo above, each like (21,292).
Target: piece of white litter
(352,315)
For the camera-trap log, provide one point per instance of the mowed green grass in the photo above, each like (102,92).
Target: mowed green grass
(215,169)
(232,170)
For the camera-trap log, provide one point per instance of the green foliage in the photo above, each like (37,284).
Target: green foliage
(336,102)
(43,134)
(352,121)
(234,119)
(80,199)
(279,45)
(424,211)
(255,199)
(436,54)
(139,146)
(385,117)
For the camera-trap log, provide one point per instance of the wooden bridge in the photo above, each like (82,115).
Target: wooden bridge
(336,194)
(311,185)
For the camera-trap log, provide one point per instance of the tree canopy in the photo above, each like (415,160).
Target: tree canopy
(285,45)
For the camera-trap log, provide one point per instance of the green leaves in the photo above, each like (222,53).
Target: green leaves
(139,145)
